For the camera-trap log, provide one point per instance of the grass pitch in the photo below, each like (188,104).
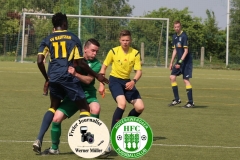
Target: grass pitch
(208,131)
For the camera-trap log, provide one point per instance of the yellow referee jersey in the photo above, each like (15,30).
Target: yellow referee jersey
(123,63)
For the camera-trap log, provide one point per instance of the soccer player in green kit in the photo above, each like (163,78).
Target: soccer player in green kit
(65,50)
(67,107)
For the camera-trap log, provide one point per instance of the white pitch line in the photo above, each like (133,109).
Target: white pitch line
(165,145)
(234,79)
(194,146)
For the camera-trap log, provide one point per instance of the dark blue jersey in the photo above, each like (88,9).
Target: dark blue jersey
(63,48)
(179,43)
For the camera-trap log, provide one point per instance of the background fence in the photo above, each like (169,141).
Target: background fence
(202,32)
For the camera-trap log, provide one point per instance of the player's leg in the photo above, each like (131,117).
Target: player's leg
(47,119)
(173,78)
(93,103)
(66,109)
(56,94)
(133,97)
(83,107)
(116,87)
(76,94)
(187,74)
(94,109)
(55,132)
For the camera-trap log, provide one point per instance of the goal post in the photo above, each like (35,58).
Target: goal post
(153,32)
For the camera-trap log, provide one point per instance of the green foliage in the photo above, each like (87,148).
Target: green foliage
(201,33)
(234,40)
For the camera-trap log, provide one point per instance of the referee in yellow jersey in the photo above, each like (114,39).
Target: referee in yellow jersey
(123,59)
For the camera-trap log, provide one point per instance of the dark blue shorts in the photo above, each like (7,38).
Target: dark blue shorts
(60,90)
(117,87)
(185,70)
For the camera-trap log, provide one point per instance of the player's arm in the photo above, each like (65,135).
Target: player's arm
(41,66)
(101,88)
(108,60)
(138,72)
(81,62)
(185,46)
(103,69)
(43,50)
(174,53)
(185,53)
(85,79)
(137,68)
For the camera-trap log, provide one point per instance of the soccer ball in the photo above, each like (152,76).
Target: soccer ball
(106,153)
(143,137)
(119,137)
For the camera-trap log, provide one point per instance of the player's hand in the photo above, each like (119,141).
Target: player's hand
(130,85)
(45,88)
(102,79)
(177,66)
(71,70)
(170,66)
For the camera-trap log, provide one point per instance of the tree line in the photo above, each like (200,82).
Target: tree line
(201,32)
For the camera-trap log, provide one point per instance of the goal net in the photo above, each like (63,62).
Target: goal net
(149,35)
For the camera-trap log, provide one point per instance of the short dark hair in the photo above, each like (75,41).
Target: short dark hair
(125,33)
(59,19)
(177,22)
(92,41)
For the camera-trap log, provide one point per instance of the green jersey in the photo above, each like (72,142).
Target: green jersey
(67,106)
(95,65)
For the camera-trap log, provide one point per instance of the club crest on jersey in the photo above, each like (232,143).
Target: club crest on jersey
(179,45)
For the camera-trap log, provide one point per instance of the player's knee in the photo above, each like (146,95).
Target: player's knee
(95,109)
(138,105)
(140,108)
(57,119)
(121,102)
(187,82)
(172,77)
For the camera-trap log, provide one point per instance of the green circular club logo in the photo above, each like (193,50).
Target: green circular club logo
(131,137)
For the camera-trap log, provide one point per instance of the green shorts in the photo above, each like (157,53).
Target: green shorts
(69,108)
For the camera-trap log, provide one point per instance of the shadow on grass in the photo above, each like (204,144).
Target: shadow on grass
(44,154)
(200,106)
(158,138)
(66,153)
(113,153)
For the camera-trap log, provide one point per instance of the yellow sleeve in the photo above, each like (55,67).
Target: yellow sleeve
(44,52)
(109,58)
(75,54)
(137,65)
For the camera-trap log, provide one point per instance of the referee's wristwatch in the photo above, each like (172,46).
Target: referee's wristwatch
(135,81)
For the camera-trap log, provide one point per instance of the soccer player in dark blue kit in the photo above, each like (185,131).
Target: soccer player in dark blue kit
(65,50)
(182,66)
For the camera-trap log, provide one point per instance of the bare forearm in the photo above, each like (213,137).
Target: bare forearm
(184,54)
(138,75)
(84,79)
(103,69)
(41,66)
(84,65)
(173,55)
